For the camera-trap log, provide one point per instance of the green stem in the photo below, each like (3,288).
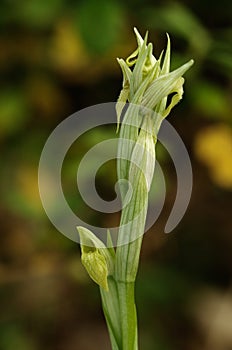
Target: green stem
(128,316)
(120,314)
(111,307)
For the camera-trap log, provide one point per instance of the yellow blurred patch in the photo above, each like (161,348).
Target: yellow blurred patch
(27,187)
(213,147)
(67,50)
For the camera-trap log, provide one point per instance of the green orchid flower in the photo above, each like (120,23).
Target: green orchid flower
(147,83)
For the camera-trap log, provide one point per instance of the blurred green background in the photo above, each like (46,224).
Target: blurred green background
(57,57)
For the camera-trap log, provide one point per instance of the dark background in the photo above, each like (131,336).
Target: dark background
(57,57)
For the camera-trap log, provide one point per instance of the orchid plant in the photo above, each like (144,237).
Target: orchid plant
(142,105)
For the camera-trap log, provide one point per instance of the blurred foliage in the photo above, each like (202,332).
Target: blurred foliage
(100,30)
(57,57)
(13,111)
